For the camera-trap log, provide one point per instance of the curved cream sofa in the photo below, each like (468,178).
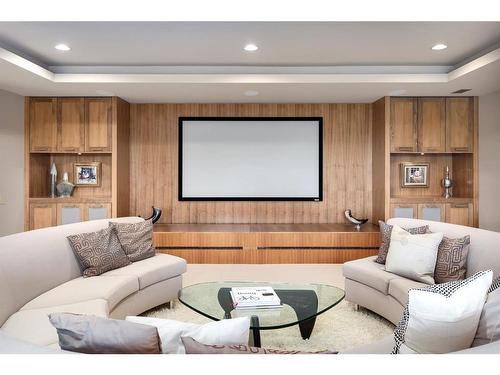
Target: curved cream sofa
(39,274)
(367,284)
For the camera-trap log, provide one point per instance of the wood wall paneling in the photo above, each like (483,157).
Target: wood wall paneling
(347,155)
(121,158)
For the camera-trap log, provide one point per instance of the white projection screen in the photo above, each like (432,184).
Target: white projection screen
(245,159)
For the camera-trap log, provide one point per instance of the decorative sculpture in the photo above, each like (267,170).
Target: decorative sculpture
(156,214)
(447,183)
(352,219)
(53,177)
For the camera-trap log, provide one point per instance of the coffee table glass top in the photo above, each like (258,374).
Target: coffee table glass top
(301,302)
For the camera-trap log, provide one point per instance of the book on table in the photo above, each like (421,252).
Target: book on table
(263,297)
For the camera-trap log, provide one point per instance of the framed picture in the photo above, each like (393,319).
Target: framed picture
(87,174)
(414,174)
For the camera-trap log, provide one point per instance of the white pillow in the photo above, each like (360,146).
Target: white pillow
(413,255)
(442,318)
(224,332)
(488,329)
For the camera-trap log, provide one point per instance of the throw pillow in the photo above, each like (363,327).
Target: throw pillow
(413,255)
(95,335)
(451,264)
(194,347)
(98,252)
(488,329)
(136,239)
(224,332)
(442,318)
(385,238)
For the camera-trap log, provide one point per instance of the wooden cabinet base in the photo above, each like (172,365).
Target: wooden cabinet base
(266,244)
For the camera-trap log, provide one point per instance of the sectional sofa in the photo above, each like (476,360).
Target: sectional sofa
(367,284)
(39,274)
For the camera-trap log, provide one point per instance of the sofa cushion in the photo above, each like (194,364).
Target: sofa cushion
(152,270)
(98,252)
(81,289)
(368,272)
(34,325)
(136,239)
(398,288)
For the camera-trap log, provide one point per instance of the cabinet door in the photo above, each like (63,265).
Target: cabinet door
(98,121)
(432,212)
(43,124)
(407,211)
(68,213)
(459,125)
(461,214)
(42,215)
(403,125)
(71,125)
(431,125)
(97,211)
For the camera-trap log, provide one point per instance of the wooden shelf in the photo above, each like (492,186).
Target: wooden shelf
(71,153)
(430,199)
(69,200)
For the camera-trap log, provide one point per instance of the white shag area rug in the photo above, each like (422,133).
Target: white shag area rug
(340,328)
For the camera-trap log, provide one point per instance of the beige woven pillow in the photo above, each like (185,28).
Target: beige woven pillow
(98,252)
(136,239)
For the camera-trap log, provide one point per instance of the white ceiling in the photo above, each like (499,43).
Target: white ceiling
(204,62)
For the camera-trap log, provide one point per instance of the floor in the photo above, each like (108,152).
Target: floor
(340,328)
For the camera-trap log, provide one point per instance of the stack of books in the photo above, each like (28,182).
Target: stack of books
(263,297)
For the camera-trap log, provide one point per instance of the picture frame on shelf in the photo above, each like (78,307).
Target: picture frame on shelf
(415,175)
(87,174)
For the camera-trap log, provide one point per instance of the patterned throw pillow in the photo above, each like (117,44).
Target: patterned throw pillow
(385,238)
(451,262)
(136,239)
(194,347)
(442,318)
(98,252)
(488,329)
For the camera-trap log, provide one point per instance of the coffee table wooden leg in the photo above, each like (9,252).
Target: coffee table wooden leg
(255,327)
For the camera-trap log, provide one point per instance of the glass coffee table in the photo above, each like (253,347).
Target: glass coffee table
(302,303)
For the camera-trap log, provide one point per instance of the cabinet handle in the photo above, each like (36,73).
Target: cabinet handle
(461,205)
(96,206)
(401,206)
(405,148)
(460,148)
(41,148)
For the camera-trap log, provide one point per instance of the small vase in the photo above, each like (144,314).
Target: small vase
(65,188)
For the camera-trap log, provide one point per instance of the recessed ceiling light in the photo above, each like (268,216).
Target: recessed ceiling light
(439,47)
(251,47)
(62,47)
(251,93)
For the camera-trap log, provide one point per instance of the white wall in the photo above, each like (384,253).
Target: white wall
(11,163)
(489,161)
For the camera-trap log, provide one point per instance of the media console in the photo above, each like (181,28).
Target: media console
(267,243)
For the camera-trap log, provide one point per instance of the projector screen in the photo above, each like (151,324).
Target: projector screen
(250,158)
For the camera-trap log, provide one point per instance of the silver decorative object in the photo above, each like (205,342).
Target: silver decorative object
(447,183)
(65,188)
(53,177)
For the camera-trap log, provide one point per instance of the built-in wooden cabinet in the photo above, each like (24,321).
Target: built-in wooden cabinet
(42,215)
(431,134)
(43,124)
(439,132)
(67,131)
(98,124)
(71,125)
(459,125)
(403,125)
(431,125)
(459,213)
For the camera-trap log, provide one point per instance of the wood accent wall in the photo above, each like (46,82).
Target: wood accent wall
(347,165)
